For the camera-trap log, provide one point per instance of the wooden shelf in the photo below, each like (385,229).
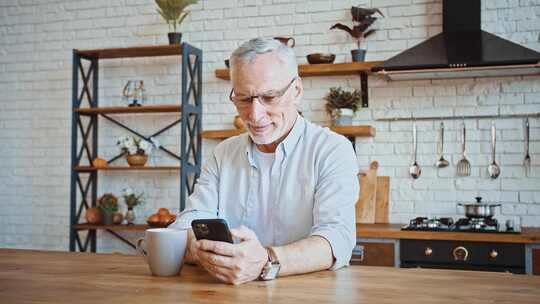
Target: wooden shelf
(221,134)
(126,109)
(331,69)
(354,131)
(351,131)
(137,51)
(136,227)
(126,168)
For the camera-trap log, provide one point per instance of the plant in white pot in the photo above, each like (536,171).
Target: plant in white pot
(341,105)
(362,18)
(173,13)
(132,200)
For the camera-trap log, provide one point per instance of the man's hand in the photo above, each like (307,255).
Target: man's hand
(233,263)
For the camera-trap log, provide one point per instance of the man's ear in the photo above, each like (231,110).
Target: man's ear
(298,92)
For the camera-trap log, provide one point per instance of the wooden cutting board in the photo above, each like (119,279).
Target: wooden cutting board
(382,199)
(365,206)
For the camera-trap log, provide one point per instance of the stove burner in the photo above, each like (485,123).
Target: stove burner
(488,224)
(462,225)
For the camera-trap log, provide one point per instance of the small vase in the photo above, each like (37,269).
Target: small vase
(130,217)
(137,160)
(358,55)
(175,38)
(343,117)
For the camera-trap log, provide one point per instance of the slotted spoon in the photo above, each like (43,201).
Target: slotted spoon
(463,166)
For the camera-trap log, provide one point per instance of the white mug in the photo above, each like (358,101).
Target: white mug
(163,250)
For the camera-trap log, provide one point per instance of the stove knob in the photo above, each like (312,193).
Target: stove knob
(428,251)
(460,253)
(493,254)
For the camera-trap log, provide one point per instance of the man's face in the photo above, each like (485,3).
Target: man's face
(266,75)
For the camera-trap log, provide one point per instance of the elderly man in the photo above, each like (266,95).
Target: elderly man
(288,185)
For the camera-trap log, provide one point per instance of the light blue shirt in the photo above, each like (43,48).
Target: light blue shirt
(316,187)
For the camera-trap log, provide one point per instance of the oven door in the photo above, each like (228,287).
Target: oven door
(486,256)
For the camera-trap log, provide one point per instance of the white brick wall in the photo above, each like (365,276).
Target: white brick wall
(36,42)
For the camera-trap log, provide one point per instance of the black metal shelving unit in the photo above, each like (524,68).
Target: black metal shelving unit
(84,131)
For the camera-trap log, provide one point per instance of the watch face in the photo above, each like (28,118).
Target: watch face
(270,271)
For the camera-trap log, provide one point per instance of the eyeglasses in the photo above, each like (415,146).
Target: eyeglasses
(269,99)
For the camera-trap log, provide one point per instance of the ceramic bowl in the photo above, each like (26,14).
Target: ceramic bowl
(321,58)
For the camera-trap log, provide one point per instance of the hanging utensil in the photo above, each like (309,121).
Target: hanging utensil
(463,166)
(414,169)
(527,159)
(441,162)
(493,169)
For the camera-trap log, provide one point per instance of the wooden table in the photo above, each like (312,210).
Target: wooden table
(61,277)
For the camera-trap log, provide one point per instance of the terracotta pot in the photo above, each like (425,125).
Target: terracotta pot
(137,160)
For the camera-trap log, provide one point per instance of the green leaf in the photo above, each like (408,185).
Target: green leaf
(182,18)
(165,16)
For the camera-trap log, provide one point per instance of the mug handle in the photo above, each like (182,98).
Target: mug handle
(293,42)
(140,249)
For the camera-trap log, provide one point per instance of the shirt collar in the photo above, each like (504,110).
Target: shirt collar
(287,144)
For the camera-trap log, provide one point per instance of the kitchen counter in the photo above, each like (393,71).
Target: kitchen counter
(393,231)
(67,277)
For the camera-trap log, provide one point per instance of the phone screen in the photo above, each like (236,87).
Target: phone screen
(212,229)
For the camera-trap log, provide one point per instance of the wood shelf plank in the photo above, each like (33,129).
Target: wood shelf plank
(221,134)
(137,51)
(353,131)
(331,69)
(135,227)
(125,109)
(126,168)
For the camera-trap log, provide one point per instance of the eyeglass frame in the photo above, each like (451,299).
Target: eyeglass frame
(260,97)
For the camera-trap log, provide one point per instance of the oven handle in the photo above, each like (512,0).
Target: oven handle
(458,251)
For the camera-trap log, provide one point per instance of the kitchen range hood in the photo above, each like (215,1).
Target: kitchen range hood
(463,49)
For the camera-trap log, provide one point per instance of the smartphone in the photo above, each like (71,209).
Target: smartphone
(212,229)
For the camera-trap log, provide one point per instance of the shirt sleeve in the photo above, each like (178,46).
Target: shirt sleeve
(335,198)
(203,202)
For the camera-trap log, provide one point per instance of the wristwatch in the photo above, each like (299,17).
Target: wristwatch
(271,268)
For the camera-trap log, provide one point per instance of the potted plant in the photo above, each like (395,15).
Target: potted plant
(341,105)
(108,205)
(173,13)
(135,149)
(132,200)
(362,18)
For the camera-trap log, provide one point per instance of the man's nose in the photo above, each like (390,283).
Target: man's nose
(256,110)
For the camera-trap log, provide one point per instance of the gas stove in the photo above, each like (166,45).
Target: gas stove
(461,225)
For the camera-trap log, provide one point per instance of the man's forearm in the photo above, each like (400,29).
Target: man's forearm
(307,255)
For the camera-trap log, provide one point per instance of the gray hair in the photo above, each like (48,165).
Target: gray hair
(250,49)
